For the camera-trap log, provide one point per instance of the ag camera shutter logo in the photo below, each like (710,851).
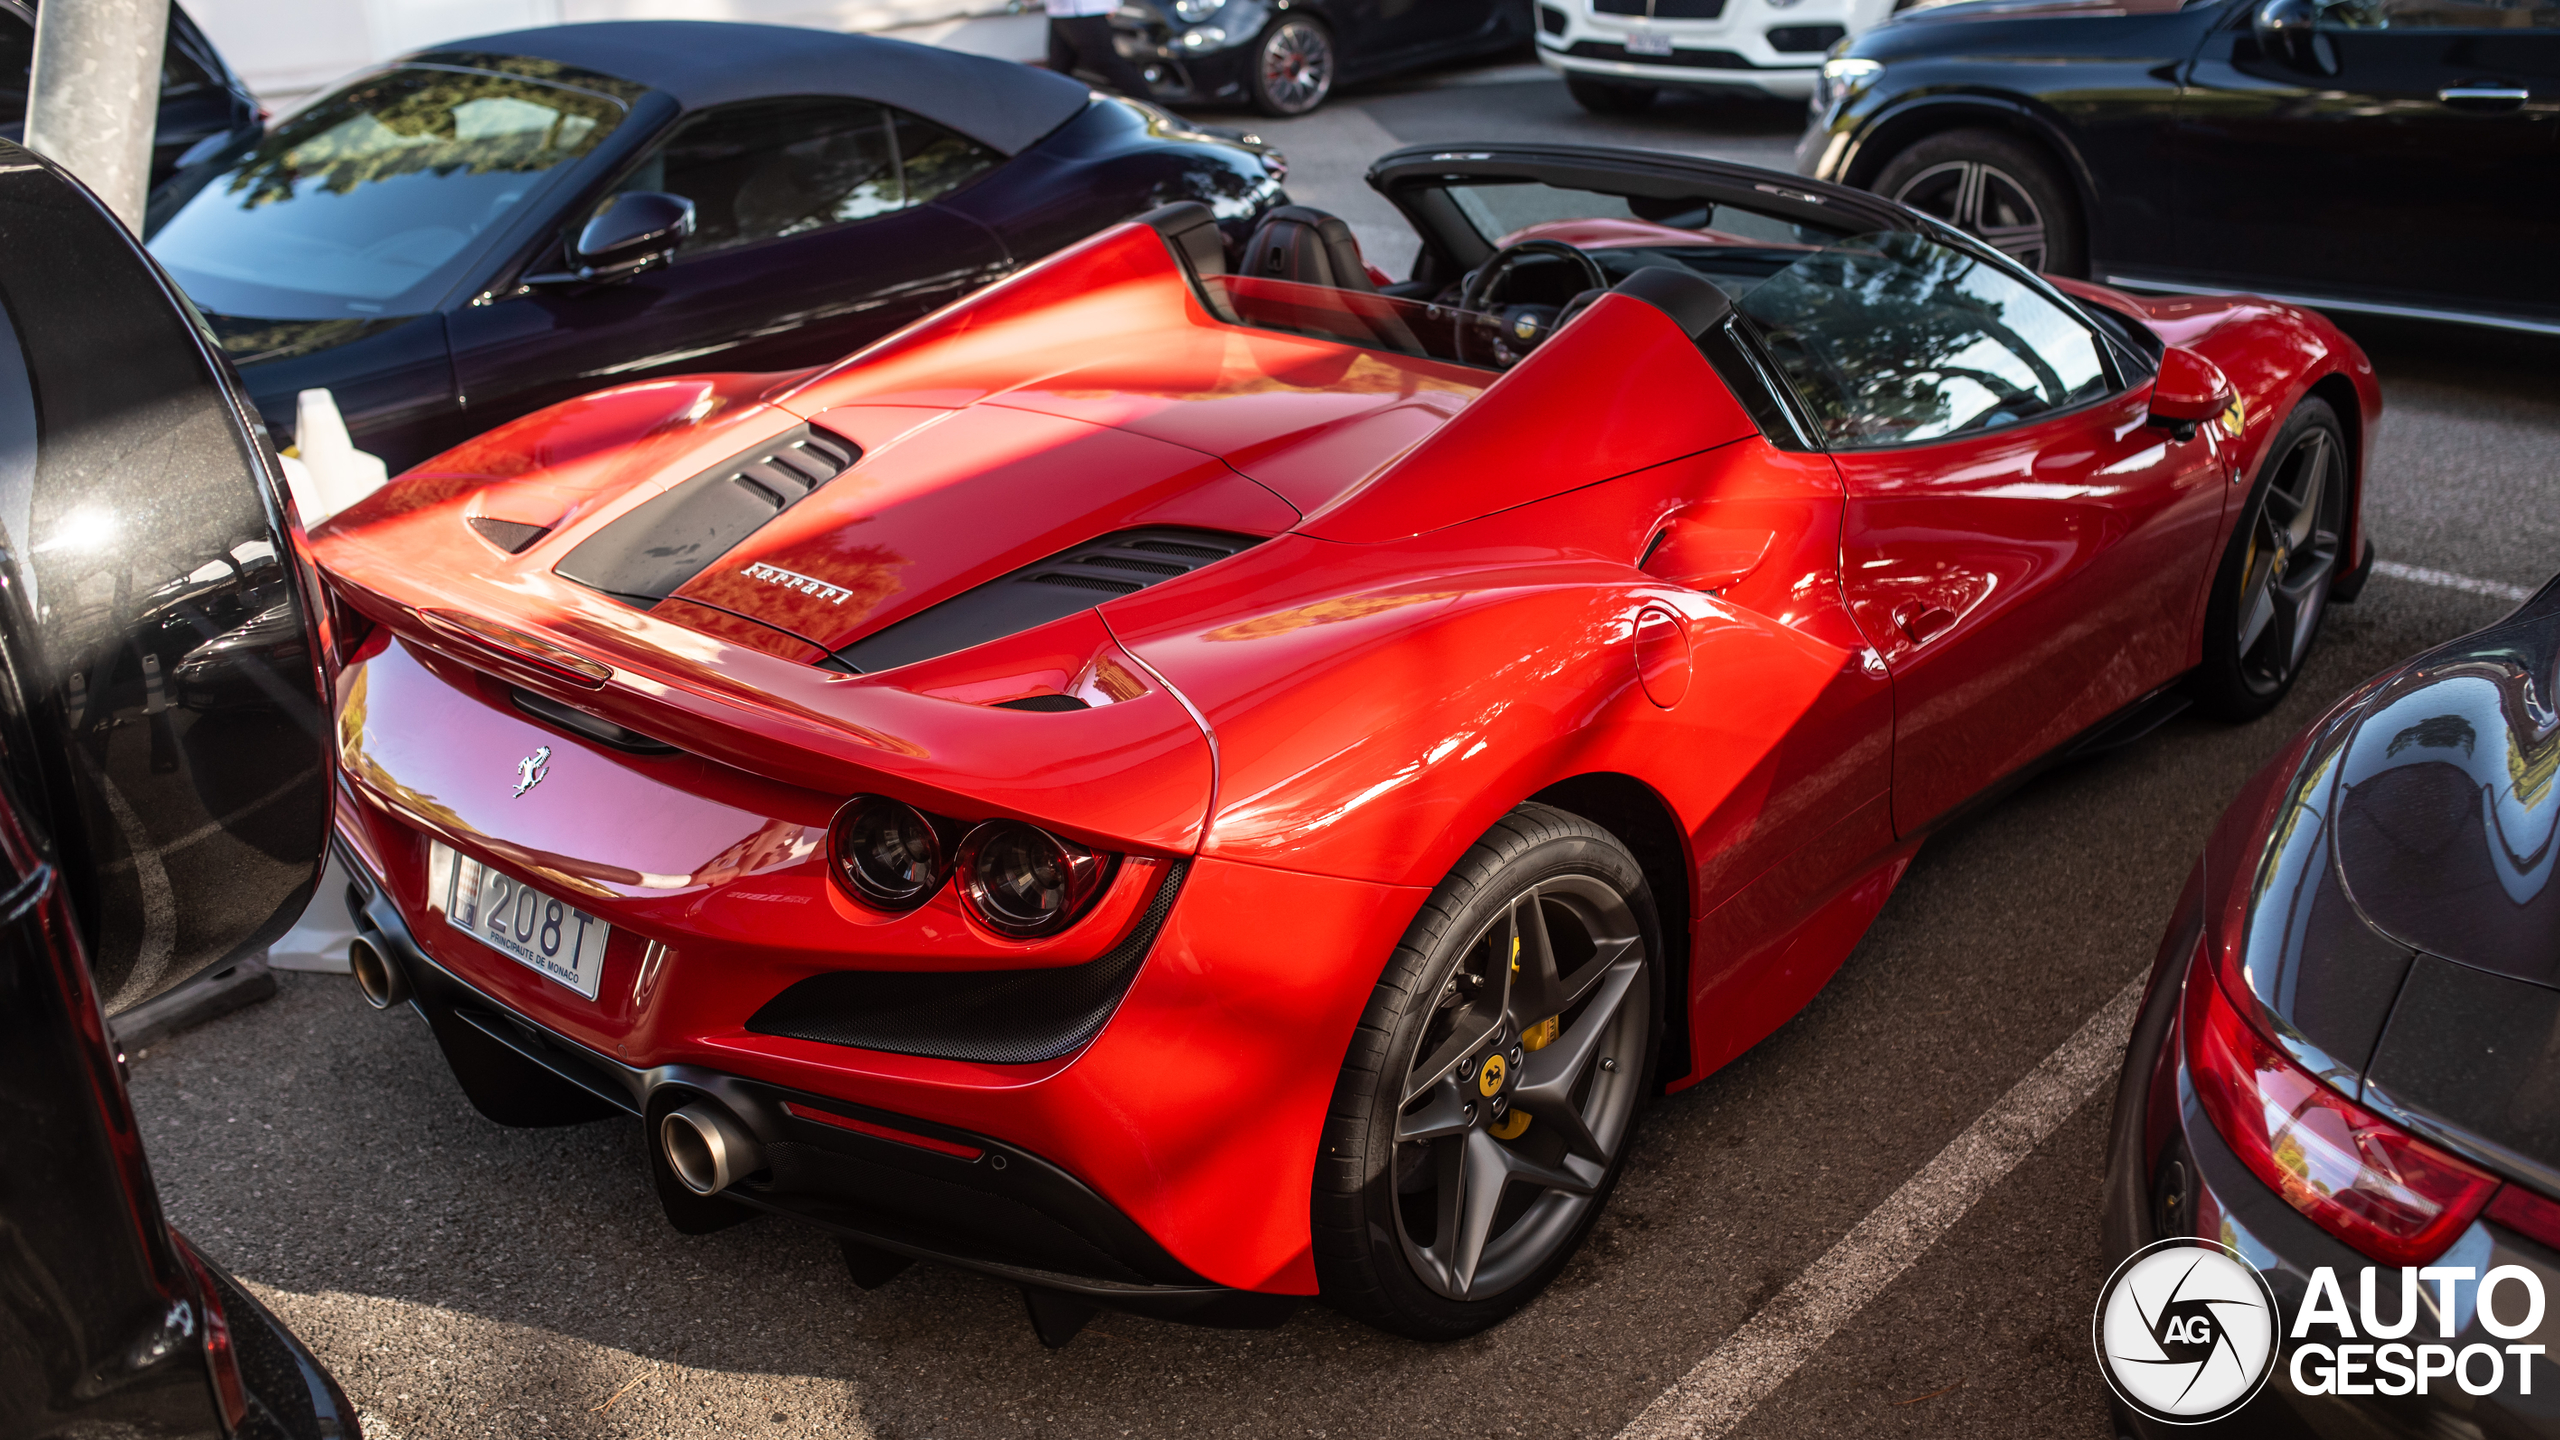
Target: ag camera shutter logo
(2185,1331)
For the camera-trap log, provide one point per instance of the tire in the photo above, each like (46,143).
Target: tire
(2271,589)
(1408,1236)
(1608,97)
(1293,66)
(1997,187)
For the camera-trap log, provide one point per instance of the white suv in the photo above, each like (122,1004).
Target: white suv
(1615,54)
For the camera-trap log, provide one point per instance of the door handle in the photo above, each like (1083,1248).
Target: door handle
(1920,620)
(2484,97)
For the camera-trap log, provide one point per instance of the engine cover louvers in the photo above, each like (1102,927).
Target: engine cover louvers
(650,553)
(1072,580)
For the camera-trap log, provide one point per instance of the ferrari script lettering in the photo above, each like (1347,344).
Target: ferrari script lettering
(794,580)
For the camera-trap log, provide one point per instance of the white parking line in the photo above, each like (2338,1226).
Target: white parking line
(2447,580)
(1755,1360)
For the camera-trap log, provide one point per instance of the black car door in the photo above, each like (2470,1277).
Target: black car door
(816,233)
(1410,29)
(2407,157)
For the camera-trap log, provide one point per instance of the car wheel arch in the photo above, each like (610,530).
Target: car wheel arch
(1908,123)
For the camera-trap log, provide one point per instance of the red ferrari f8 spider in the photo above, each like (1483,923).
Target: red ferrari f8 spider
(1187,781)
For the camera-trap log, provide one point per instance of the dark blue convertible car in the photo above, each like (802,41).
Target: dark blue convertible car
(478,230)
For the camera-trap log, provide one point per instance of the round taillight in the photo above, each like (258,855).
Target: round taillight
(1020,880)
(886,852)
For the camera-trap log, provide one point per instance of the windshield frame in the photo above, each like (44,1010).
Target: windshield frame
(500,249)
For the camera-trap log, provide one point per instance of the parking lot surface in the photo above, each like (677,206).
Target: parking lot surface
(463,1279)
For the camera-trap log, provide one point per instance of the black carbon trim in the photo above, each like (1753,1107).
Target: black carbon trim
(512,536)
(1072,580)
(993,1017)
(652,552)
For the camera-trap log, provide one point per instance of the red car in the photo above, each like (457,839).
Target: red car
(1189,782)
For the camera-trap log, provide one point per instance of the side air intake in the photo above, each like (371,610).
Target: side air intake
(1038,593)
(650,553)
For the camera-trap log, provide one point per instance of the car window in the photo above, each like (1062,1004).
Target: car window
(771,168)
(2440,15)
(180,72)
(17,57)
(936,161)
(373,200)
(1893,338)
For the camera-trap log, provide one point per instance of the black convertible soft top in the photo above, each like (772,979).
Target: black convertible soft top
(708,62)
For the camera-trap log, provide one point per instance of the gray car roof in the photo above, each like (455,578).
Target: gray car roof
(998,103)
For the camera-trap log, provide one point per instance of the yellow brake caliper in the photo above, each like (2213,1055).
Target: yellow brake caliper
(1537,1037)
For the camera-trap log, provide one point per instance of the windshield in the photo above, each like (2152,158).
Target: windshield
(1893,338)
(374,200)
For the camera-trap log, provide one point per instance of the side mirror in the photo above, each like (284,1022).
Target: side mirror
(2188,391)
(2288,32)
(633,231)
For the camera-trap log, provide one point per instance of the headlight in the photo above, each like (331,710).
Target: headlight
(886,852)
(1203,38)
(1020,880)
(1193,11)
(1842,77)
(1850,72)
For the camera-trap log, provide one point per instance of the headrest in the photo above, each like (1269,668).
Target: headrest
(1307,246)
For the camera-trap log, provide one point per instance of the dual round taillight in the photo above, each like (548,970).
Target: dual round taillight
(1015,878)
(887,852)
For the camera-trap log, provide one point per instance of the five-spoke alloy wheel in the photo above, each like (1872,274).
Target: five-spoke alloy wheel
(2274,581)
(1993,187)
(1484,1110)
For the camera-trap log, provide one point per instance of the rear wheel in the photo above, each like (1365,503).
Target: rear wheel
(1484,1109)
(1608,97)
(2273,584)
(1293,67)
(1995,187)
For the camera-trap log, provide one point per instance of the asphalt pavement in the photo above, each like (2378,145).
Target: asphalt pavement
(463,1279)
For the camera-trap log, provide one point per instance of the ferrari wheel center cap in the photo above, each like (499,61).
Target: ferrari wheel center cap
(1489,1079)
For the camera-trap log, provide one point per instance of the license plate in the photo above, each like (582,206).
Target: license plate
(554,937)
(1640,43)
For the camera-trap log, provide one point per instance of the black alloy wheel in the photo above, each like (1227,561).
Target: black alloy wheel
(1608,97)
(1484,1109)
(2273,584)
(1995,188)
(1293,66)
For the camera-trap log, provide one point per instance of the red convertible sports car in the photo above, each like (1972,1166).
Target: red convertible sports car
(1191,780)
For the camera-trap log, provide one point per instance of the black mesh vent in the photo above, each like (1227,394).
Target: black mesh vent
(994,1017)
(1687,9)
(650,553)
(1693,59)
(512,536)
(1551,19)
(1043,702)
(1805,39)
(1038,593)
(1618,7)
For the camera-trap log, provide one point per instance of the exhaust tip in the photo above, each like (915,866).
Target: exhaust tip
(378,976)
(707,1148)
